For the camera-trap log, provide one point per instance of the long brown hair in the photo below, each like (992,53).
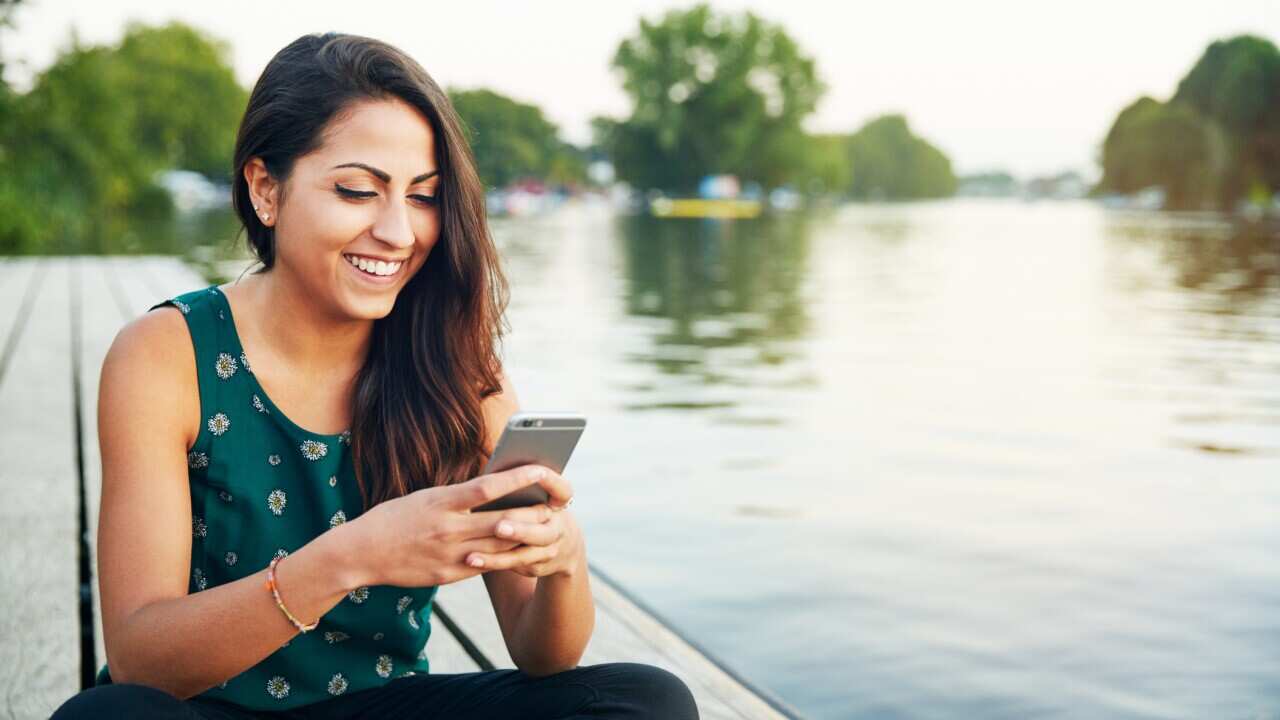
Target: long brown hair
(416,417)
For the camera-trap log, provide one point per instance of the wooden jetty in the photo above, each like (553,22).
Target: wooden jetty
(58,316)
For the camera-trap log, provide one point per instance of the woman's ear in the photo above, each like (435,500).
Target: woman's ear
(263,190)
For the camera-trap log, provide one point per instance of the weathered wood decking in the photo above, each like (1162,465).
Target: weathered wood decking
(58,316)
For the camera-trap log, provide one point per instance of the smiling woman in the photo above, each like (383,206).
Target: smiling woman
(315,461)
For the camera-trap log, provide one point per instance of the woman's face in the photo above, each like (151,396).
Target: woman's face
(367,195)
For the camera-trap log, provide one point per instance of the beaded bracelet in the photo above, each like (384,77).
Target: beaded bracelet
(271,585)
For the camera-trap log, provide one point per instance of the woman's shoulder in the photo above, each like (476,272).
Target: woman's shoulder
(152,356)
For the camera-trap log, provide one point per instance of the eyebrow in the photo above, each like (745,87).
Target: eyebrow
(382,174)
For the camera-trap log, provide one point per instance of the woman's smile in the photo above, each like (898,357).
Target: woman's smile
(378,272)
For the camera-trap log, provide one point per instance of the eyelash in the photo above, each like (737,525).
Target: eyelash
(359,194)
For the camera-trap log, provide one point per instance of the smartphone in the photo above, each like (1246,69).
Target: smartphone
(533,438)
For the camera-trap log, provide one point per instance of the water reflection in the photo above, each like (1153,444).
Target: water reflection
(1207,288)
(731,294)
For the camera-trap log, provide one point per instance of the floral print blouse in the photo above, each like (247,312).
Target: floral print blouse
(261,486)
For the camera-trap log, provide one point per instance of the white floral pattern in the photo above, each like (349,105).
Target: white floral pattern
(209,524)
(313,449)
(276,501)
(225,365)
(278,687)
(384,666)
(185,308)
(219,423)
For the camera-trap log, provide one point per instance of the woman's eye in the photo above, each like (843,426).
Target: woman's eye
(362,194)
(348,192)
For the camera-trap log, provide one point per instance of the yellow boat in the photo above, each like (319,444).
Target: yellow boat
(704,208)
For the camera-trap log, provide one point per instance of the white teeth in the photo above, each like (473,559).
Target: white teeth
(379,267)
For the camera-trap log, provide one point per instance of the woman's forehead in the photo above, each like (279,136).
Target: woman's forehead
(388,134)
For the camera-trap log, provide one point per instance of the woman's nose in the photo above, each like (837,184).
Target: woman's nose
(393,226)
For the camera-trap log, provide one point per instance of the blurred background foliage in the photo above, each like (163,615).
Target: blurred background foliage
(1215,143)
(512,141)
(711,93)
(81,148)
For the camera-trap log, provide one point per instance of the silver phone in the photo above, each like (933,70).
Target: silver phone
(541,438)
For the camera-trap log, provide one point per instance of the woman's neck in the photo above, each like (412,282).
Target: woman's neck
(301,334)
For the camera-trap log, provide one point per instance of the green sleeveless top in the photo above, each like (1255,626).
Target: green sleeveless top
(260,487)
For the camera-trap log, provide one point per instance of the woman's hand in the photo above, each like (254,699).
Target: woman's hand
(548,545)
(424,538)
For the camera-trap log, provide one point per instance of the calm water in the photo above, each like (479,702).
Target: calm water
(966,459)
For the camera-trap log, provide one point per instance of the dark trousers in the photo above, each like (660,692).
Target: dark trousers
(607,690)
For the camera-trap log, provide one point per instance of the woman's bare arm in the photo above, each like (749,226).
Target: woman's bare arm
(157,634)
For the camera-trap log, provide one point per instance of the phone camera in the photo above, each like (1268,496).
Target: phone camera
(526,423)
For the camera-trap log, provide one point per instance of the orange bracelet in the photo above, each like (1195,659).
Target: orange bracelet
(271,585)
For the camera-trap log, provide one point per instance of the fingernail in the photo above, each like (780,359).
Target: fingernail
(476,562)
(504,528)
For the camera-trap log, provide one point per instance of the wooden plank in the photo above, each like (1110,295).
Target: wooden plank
(100,320)
(167,276)
(616,638)
(643,626)
(16,277)
(445,652)
(38,505)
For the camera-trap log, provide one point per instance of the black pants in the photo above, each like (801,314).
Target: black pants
(607,690)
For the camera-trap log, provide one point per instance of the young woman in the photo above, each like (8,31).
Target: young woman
(290,460)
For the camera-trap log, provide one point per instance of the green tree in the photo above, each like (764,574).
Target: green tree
(891,163)
(1166,145)
(828,170)
(81,148)
(512,140)
(188,103)
(711,94)
(1236,84)
(1216,142)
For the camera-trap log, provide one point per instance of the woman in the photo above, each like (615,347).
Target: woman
(331,413)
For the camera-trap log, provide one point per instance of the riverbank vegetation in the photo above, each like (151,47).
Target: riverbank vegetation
(1215,144)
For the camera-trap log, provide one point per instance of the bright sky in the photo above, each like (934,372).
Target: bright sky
(1024,86)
